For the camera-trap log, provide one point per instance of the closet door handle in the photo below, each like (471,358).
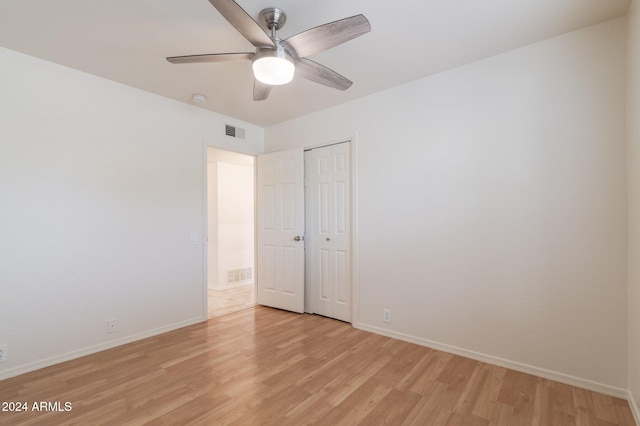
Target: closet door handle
(297,238)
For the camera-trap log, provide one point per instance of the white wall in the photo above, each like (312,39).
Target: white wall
(236,227)
(633,167)
(101,187)
(492,206)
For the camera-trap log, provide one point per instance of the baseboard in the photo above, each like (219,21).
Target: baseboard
(513,365)
(230,286)
(634,407)
(57,359)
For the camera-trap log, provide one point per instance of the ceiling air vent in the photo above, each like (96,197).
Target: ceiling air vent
(234,132)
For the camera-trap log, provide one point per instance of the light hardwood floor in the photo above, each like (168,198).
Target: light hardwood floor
(265,366)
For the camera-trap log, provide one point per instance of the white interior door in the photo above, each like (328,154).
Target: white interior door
(280,190)
(328,232)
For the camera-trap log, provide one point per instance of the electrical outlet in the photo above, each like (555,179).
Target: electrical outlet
(387,315)
(3,353)
(112,326)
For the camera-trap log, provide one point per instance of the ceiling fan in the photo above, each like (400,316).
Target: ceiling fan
(275,61)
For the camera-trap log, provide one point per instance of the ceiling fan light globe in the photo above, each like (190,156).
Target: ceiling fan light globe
(273,66)
(273,71)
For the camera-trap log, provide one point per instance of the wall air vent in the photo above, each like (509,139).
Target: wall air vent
(241,275)
(234,132)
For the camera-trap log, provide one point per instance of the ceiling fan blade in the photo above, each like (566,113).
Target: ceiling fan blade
(242,22)
(260,90)
(212,57)
(313,71)
(328,35)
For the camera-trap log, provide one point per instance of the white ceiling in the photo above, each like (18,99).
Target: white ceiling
(127,41)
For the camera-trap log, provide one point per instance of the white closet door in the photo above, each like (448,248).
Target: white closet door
(328,233)
(280,230)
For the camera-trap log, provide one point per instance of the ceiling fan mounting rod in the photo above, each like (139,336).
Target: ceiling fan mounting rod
(274,19)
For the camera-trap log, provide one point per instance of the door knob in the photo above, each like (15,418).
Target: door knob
(328,239)
(297,238)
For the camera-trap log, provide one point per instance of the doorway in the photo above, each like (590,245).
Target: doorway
(231,232)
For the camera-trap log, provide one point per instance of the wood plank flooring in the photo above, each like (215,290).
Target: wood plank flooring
(265,366)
